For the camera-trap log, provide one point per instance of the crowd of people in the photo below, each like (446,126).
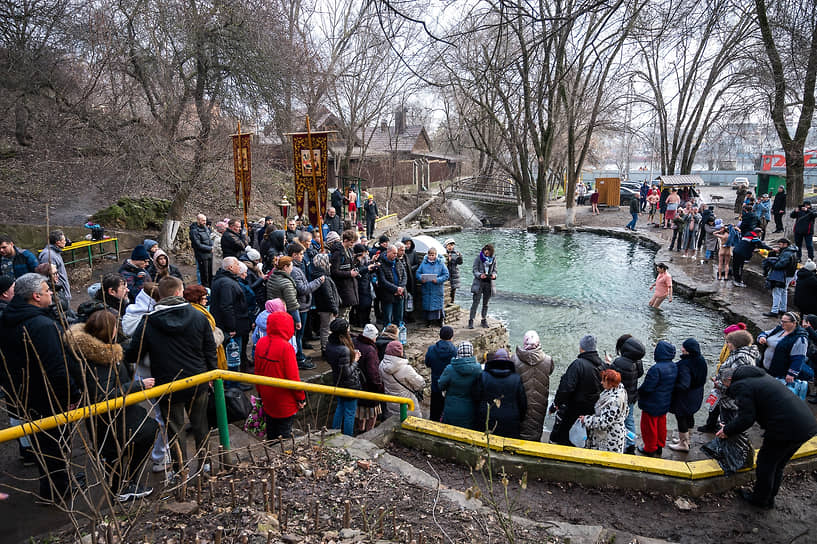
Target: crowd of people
(277,290)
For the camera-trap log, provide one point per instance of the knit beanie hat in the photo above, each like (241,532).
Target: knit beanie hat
(359,248)
(148,243)
(446,333)
(741,326)
(465,349)
(339,325)
(692,346)
(383,238)
(321,260)
(810,265)
(5,284)
(394,348)
(499,355)
(275,305)
(588,343)
(664,351)
(370,331)
(139,253)
(332,237)
(530,341)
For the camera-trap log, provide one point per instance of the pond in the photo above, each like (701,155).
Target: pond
(567,285)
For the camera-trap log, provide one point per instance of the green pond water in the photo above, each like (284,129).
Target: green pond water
(567,285)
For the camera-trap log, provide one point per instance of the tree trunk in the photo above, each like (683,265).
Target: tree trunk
(795,163)
(22,114)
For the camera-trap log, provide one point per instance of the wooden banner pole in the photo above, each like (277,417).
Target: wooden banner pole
(314,180)
(243,179)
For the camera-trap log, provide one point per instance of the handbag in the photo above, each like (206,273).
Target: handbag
(238,406)
(256,423)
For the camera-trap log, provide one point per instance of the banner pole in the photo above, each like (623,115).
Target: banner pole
(314,180)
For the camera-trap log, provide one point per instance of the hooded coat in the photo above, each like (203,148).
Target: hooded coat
(805,291)
(29,338)
(179,341)
(689,386)
(605,428)
(438,356)
(275,358)
(400,379)
(630,366)
(457,380)
(433,293)
(655,394)
(326,297)
(500,388)
(534,368)
(345,370)
(761,398)
(134,278)
(156,273)
(228,304)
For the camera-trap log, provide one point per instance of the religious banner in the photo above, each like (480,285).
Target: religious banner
(242,164)
(311,175)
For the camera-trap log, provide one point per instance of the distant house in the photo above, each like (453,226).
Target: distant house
(400,154)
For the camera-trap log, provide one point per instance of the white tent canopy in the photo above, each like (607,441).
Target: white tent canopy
(423,242)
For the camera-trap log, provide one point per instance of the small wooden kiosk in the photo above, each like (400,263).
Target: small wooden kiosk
(609,191)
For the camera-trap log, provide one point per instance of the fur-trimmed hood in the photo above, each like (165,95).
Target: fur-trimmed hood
(92,349)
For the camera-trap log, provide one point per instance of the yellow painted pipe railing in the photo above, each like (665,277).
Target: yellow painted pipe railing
(134,398)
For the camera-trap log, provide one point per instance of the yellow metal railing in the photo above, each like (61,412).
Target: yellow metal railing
(84,412)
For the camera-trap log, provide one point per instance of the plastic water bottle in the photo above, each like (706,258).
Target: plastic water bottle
(631,436)
(402,333)
(233,358)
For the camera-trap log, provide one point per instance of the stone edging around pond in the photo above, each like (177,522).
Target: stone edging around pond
(683,285)
(578,465)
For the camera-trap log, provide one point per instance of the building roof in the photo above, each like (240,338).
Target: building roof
(680,181)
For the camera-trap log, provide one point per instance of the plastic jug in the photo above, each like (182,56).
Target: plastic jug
(233,358)
(402,333)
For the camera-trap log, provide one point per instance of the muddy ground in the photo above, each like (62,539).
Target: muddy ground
(715,518)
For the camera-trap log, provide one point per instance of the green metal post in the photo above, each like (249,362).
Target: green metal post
(403,412)
(221,415)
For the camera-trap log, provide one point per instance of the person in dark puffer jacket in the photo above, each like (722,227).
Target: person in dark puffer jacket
(628,363)
(787,422)
(805,290)
(654,398)
(343,358)
(438,357)
(326,297)
(689,391)
(368,410)
(499,381)
(579,389)
(535,368)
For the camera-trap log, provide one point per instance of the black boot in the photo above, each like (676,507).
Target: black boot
(470,323)
(484,324)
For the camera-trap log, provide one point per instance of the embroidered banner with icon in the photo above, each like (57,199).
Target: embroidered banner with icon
(311,179)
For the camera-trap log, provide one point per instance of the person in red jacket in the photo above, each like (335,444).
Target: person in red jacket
(275,358)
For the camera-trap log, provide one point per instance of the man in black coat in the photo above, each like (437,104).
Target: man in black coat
(805,289)
(579,389)
(332,221)
(804,229)
(202,244)
(229,305)
(779,208)
(38,376)
(180,343)
(233,241)
(787,420)
(344,272)
(370,207)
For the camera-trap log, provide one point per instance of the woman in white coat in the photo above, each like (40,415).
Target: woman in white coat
(400,379)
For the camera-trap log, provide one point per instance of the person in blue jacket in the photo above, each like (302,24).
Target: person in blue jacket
(433,287)
(654,398)
(437,358)
(688,394)
(457,381)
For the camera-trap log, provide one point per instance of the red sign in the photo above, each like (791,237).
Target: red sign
(779,161)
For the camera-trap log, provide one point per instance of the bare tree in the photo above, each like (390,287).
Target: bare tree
(789,35)
(691,55)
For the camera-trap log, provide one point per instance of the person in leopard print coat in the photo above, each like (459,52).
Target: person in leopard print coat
(605,428)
